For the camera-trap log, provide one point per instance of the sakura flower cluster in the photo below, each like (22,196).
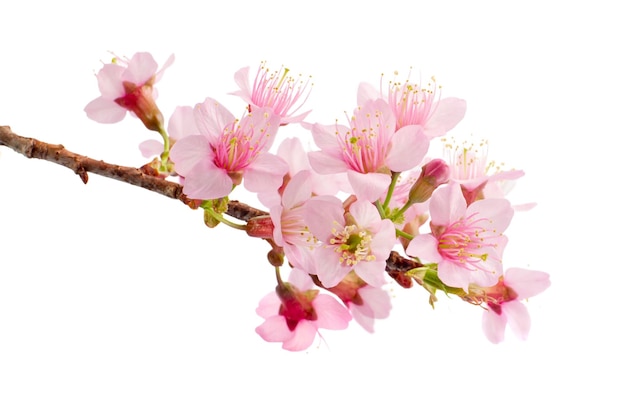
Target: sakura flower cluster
(379,202)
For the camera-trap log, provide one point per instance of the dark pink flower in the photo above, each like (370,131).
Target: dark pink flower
(294,313)
(128,85)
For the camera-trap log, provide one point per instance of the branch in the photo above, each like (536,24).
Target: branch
(81,165)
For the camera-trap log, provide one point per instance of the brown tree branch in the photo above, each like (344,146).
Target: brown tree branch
(81,165)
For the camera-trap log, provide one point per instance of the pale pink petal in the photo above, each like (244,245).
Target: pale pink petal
(300,279)
(408,147)
(211,118)
(384,239)
(454,275)
(298,190)
(182,123)
(265,173)
(497,210)
(207,182)
(269,305)
(330,313)
(322,214)
(364,213)
(141,68)
(329,271)
(518,318)
(150,148)
(447,205)
(424,247)
(243,81)
(371,186)
(526,283)
(189,152)
(326,136)
(110,81)
(378,300)
(103,110)
(274,329)
(324,163)
(292,151)
(302,336)
(362,315)
(165,66)
(448,113)
(366,92)
(494,325)
(372,272)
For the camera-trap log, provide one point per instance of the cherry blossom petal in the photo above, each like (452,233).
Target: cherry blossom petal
(141,68)
(274,329)
(150,148)
(424,247)
(409,146)
(268,306)
(104,110)
(494,325)
(265,173)
(517,317)
(447,205)
(207,182)
(447,114)
(302,336)
(370,186)
(189,152)
(211,118)
(526,283)
(330,313)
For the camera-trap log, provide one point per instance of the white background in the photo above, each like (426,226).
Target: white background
(115,301)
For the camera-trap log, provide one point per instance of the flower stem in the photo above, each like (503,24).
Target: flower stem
(400,233)
(224,220)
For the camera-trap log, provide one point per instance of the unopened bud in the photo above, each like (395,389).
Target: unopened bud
(434,173)
(260,226)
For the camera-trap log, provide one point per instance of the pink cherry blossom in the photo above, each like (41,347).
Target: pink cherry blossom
(227,151)
(294,313)
(466,241)
(290,230)
(470,167)
(276,90)
(366,303)
(128,85)
(415,104)
(504,305)
(358,241)
(368,149)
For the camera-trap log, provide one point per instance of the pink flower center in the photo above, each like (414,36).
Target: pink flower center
(411,103)
(238,147)
(366,145)
(352,245)
(467,160)
(294,230)
(278,91)
(465,242)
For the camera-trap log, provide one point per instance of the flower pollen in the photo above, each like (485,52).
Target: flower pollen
(352,245)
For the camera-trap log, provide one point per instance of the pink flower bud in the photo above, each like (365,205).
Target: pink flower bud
(434,174)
